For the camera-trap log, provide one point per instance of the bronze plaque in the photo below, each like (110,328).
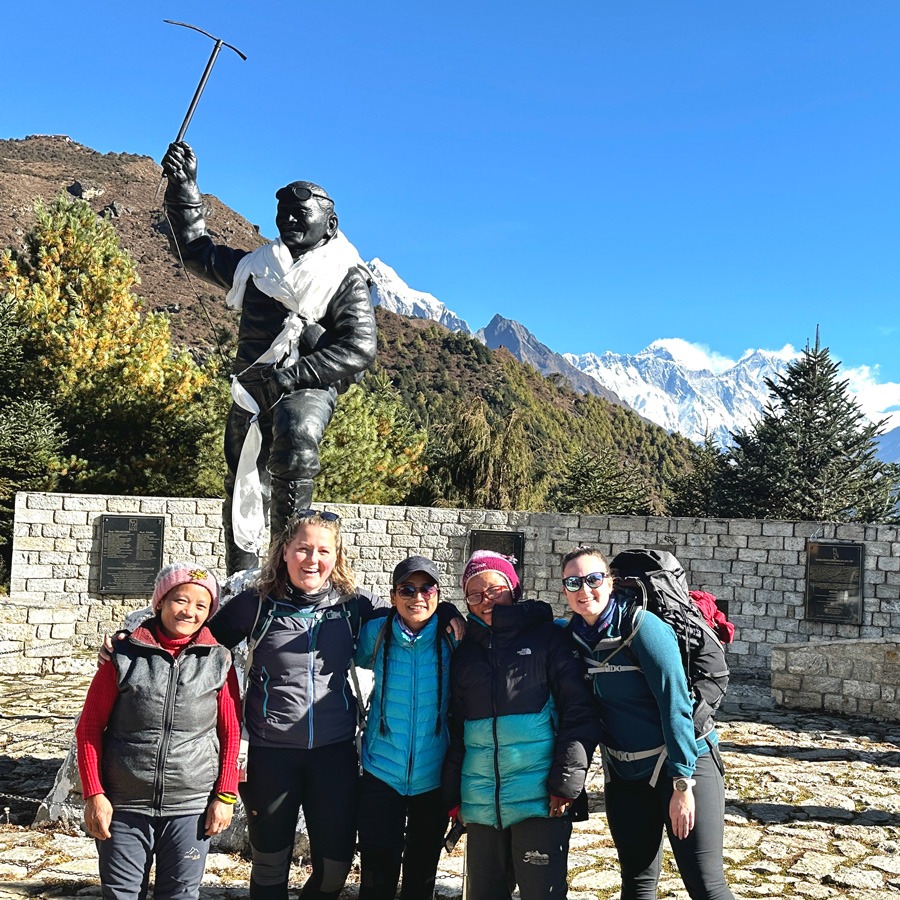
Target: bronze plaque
(130,553)
(834,582)
(509,543)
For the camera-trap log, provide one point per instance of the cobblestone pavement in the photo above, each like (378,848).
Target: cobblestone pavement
(813,807)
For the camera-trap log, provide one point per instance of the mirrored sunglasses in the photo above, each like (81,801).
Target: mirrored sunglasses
(324,516)
(574,582)
(408,591)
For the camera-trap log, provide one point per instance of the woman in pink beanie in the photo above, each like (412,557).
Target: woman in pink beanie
(523,726)
(158,742)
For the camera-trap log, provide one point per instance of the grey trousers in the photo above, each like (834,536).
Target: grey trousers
(533,854)
(180,848)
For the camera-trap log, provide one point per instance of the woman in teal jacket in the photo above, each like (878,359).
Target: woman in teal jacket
(402,814)
(659,774)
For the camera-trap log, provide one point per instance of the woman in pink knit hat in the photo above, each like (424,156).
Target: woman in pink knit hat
(523,726)
(158,743)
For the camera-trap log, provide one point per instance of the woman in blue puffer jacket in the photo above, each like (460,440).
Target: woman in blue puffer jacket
(523,726)
(402,815)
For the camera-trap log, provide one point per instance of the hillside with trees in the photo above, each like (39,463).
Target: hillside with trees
(456,387)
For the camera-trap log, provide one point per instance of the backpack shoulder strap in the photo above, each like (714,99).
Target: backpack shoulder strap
(637,619)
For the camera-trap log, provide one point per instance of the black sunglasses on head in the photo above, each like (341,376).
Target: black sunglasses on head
(324,516)
(295,192)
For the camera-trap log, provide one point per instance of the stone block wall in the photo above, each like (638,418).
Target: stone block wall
(859,677)
(756,567)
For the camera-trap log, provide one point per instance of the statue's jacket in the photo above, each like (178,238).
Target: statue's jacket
(335,351)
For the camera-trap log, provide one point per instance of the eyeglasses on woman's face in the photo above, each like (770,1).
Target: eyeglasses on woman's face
(476,598)
(573,583)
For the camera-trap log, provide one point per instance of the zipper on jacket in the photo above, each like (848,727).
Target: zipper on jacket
(265,689)
(494,729)
(165,738)
(412,720)
(311,671)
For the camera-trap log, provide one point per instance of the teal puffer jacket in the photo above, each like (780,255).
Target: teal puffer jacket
(524,746)
(408,752)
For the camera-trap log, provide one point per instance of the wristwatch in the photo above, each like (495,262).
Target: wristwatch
(682,784)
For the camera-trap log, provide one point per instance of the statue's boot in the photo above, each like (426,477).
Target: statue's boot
(288,498)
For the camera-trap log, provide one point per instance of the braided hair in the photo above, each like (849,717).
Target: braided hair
(387,631)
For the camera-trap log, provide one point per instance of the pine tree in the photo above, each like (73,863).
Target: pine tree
(30,437)
(138,416)
(372,450)
(598,483)
(812,456)
(698,490)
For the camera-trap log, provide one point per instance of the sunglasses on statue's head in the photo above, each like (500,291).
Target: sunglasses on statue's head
(294,192)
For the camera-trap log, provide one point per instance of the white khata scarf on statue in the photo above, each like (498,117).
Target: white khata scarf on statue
(305,286)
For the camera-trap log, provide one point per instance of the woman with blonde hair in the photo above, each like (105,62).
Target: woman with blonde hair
(302,618)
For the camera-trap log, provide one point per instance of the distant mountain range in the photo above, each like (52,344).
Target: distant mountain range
(660,383)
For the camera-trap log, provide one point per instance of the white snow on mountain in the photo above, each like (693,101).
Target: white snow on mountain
(394,294)
(685,388)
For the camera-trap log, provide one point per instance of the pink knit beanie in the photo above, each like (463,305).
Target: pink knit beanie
(185,573)
(488,561)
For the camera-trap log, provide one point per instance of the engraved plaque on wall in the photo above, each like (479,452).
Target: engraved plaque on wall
(130,553)
(834,581)
(509,543)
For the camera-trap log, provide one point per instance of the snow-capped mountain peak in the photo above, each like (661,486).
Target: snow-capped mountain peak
(686,389)
(393,293)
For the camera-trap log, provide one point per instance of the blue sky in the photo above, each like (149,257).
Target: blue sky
(607,173)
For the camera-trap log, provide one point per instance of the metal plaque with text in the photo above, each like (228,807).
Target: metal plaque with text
(834,581)
(130,553)
(509,543)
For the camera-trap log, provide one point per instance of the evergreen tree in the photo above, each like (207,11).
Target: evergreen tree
(138,416)
(372,449)
(460,460)
(812,456)
(698,490)
(598,483)
(30,437)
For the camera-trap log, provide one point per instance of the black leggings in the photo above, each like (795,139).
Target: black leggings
(637,814)
(397,829)
(279,782)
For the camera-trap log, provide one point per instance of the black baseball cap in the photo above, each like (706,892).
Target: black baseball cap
(411,564)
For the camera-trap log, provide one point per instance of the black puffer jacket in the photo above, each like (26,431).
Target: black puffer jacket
(523,722)
(160,747)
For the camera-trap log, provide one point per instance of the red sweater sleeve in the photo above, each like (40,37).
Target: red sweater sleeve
(229,731)
(98,705)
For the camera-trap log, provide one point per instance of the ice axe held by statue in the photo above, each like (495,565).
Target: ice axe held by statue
(219,44)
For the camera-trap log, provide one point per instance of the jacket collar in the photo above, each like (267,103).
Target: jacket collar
(508,621)
(145,635)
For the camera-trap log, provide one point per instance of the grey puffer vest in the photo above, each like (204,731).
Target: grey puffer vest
(160,748)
